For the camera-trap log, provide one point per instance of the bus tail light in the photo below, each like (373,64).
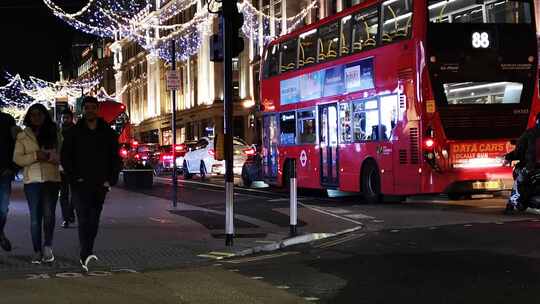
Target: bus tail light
(429,144)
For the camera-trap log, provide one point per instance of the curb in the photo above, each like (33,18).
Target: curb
(301,239)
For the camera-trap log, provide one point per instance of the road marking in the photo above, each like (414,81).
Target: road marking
(337,210)
(160,220)
(311,299)
(339,241)
(257,278)
(467,225)
(210,256)
(73,275)
(219,253)
(262,257)
(282,287)
(275,200)
(330,214)
(433,228)
(359,216)
(499,223)
(234,270)
(264,242)
(394,230)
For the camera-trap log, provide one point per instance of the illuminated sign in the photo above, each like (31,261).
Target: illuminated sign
(480,40)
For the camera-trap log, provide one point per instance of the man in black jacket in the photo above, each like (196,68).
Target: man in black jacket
(91,161)
(7,171)
(66,202)
(527,152)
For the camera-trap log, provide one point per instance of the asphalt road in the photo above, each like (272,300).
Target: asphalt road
(423,250)
(479,263)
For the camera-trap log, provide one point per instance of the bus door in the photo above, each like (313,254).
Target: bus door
(328,144)
(270,152)
(388,107)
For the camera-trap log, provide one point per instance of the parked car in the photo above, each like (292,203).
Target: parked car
(166,157)
(201,158)
(252,169)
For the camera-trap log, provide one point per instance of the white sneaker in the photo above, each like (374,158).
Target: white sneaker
(48,256)
(87,260)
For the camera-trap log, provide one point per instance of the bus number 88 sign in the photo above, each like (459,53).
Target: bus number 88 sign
(480,40)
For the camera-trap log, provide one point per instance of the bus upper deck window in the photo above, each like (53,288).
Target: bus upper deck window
(345,37)
(271,64)
(329,41)
(364,30)
(472,11)
(288,55)
(308,48)
(397,18)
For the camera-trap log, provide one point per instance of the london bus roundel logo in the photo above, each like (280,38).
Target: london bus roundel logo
(480,40)
(303,158)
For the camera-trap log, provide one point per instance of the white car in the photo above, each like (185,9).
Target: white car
(200,159)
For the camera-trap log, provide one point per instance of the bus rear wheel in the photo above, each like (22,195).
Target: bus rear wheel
(371,183)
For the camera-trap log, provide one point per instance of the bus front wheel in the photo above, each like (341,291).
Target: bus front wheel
(371,183)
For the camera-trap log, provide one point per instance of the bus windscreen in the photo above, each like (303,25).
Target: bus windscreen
(483,92)
(474,11)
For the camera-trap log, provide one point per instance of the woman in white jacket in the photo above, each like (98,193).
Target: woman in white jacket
(37,151)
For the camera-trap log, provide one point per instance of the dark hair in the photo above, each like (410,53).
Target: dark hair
(67,112)
(46,137)
(89,99)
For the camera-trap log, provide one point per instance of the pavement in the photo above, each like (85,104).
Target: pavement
(153,253)
(200,285)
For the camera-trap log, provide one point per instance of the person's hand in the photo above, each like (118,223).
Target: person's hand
(42,156)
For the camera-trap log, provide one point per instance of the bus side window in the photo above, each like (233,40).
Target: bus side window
(389,108)
(289,54)
(345,124)
(345,37)
(397,18)
(271,64)
(358,122)
(364,30)
(287,128)
(306,127)
(308,48)
(329,41)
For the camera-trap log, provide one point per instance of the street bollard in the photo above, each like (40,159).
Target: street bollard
(293,198)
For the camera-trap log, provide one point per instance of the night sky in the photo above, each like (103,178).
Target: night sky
(34,40)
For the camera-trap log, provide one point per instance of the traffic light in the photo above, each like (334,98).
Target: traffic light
(237,20)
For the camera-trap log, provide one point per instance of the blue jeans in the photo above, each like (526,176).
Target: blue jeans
(5,192)
(42,199)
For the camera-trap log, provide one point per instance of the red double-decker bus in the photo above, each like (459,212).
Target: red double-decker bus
(114,113)
(401,97)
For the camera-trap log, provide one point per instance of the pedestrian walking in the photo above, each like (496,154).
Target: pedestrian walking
(92,163)
(37,151)
(7,171)
(66,201)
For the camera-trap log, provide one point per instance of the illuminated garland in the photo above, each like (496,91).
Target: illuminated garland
(133,20)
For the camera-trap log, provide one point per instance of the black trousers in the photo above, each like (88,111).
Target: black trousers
(66,202)
(88,201)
